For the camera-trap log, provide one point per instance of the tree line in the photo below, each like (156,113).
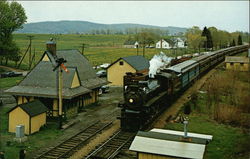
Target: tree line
(126,31)
(212,38)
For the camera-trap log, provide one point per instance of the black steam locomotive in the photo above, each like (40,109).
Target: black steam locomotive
(145,97)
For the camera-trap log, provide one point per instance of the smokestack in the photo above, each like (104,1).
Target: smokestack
(185,128)
(51,47)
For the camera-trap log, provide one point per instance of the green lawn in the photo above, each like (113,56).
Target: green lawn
(227,143)
(9,81)
(34,142)
(231,136)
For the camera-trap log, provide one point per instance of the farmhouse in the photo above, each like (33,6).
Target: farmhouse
(32,115)
(164,44)
(131,44)
(80,85)
(179,43)
(118,69)
(237,63)
(169,144)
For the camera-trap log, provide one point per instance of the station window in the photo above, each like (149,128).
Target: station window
(121,62)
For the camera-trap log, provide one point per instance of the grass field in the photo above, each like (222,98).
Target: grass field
(9,81)
(228,142)
(229,127)
(34,142)
(99,49)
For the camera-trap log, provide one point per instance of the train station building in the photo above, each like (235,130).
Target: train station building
(237,63)
(80,84)
(117,70)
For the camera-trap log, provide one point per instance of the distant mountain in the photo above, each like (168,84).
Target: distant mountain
(66,27)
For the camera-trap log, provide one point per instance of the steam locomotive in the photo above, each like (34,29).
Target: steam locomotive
(145,97)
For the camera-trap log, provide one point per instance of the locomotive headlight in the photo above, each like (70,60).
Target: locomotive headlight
(131,100)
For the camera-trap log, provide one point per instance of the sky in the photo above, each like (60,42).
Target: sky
(225,15)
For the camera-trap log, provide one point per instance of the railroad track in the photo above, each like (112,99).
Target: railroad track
(119,141)
(70,146)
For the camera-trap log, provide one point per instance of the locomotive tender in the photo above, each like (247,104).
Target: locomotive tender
(145,97)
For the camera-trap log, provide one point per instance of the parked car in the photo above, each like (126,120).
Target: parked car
(151,47)
(104,89)
(101,73)
(11,74)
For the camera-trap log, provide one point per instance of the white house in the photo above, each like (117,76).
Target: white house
(163,44)
(179,43)
(131,44)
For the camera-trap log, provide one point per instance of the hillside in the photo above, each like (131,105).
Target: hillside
(66,27)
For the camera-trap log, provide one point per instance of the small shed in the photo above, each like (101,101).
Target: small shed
(32,115)
(134,64)
(169,144)
(237,63)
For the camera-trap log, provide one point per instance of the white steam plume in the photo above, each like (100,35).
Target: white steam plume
(158,61)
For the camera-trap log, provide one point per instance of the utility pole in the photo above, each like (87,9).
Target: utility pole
(83,47)
(137,51)
(30,58)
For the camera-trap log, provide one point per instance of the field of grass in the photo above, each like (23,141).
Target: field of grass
(34,142)
(9,81)
(222,110)
(99,49)
(228,142)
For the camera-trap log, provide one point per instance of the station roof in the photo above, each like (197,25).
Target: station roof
(180,133)
(137,62)
(237,59)
(169,143)
(41,80)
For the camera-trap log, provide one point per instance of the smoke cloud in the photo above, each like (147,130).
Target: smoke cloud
(158,61)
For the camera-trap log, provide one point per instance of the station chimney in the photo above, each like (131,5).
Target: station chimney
(51,47)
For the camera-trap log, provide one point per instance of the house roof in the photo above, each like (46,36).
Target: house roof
(32,108)
(237,59)
(130,42)
(170,42)
(179,39)
(137,62)
(169,143)
(167,147)
(41,81)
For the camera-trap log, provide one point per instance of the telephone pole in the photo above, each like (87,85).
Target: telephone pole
(30,58)
(83,47)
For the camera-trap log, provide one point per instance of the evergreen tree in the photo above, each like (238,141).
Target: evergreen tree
(233,43)
(209,42)
(239,40)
